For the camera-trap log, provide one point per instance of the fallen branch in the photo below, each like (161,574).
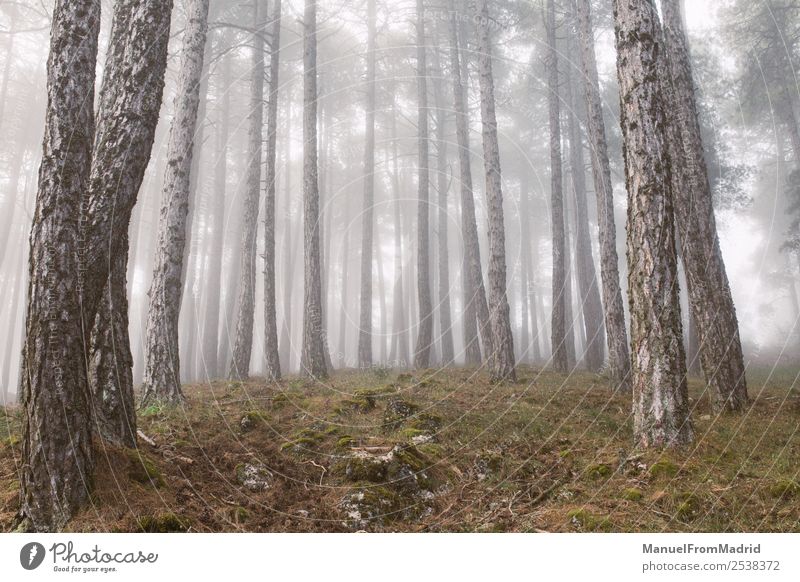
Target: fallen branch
(146,438)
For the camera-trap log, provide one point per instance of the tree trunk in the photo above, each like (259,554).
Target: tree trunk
(589,297)
(313,357)
(422,352)
(530,332)
(616,334)
(559,323)
(57,449)
(271,355)
(289,251)
(243,344)
(501,359)
(707,282)
(399,328)
(660,395)
(368,216)
(162,362)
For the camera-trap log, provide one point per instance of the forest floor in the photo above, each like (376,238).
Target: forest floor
(438,451)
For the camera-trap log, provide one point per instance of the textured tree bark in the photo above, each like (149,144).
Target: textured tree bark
(368,216)
(501,359)
(707,282)
(162,360)
(243,342)
(399,350)
(589,297)
(475,307)
(271,355)
(660,395)
(442,187)
(289,249)
(616,334)
(558,327)
(57,449)
(422,351)
(214,281)
(313,357)
(530,333)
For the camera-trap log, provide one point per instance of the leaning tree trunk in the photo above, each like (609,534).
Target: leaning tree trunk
(501,359)
(476,310)
(559,323)
(368,216)
(706,280)
(271,355)
(660,396)
(592,308)
(162,378)
(243,342)
(57,454)
(422,352)
(313,356)
(616,334)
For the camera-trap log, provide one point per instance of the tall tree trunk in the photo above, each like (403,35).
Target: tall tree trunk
(501,359)
(368,216)
(442,187)
(313,356)
(589,297)
(289,250)
(707,282)
(559,320)
(660,395)
(529,336)
(475,306)
(214,281)
(569,317)
(9,59)
(399,328)
(162,362)
(243,344)
(57,450)
(422,351)
(271,355)
(617,335)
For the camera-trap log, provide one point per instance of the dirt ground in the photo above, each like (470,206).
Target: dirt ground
(437,451)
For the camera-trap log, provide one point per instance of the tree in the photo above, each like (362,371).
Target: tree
(501,359)
(710,296)
(368,216)
(243,343)
(422,352)
(162,378)
(313,357)
(476,310)
(399,350)
(560,296)
(660,394)
(616,334)
(56,445)
(272,357)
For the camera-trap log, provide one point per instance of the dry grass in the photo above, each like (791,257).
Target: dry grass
(548,453)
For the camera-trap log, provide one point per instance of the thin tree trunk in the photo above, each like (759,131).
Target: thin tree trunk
(399,326)
(289,251)
(560,298)
(243,343)
(162,367)
(422,351)
(658,371)
(57,454)
(617,335)
(271,355)
(707,282)
(368,215)
(501,359)
(313,357)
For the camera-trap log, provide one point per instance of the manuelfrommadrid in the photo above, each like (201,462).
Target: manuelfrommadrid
(693,549)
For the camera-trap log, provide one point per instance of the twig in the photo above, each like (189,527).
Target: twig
(146,438)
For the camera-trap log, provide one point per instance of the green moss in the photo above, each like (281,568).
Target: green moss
(663,468)
(345,442)
(431,450)
(12,440)
(587,521)
(142,469)
(598,471)
(687,507)
(397,411)
(357,404)
(632,494)
(410,433)
(426,422)
(239,515)
(163,523)
(784,488)
(152,410)
(566,453)
(366,468)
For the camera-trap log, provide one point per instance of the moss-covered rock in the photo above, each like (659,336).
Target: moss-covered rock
(397,411)
(162,523)
(663,468)
(632,494)
(598,471)
(371,505)
(142,469)
(253,476)
(345,442)
(251,419)
(585,520)
(488,463)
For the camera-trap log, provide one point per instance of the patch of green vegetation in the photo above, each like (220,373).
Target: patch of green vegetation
(565,454)
(153,410)
(663,468)
(632,494)
(356,404)
(12,441)
(239,515)
(587,521)
(162,523)
(142,469)
(345,442)
(598,471)
(431,450)
(426,422)
(688,506)
(366,468)
(397,411)
(784,488)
